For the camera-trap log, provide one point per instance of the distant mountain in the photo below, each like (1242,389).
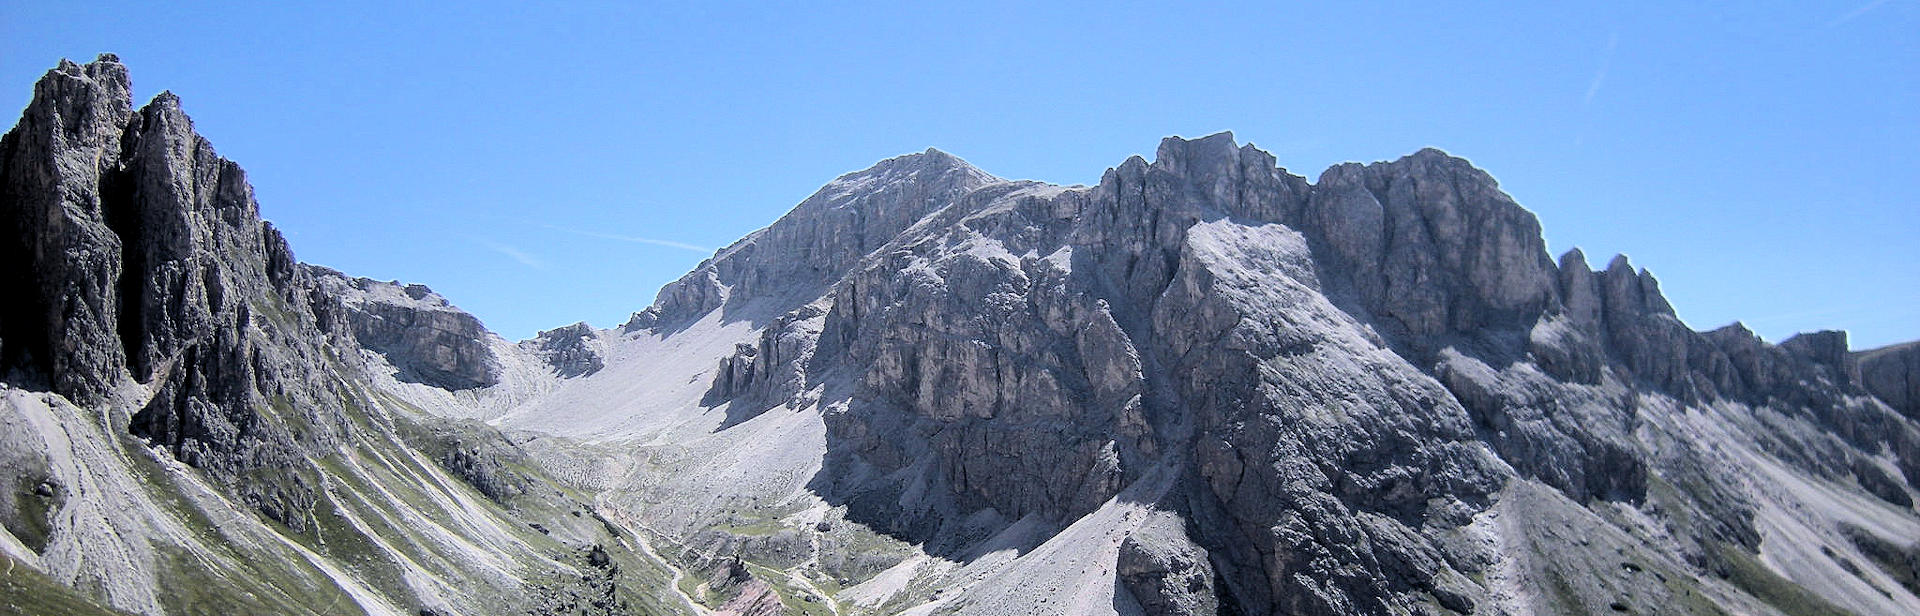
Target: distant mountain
(1204,385)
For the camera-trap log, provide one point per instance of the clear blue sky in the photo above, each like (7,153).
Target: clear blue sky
(1762,158)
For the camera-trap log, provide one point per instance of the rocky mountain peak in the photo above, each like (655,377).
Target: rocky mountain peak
(90,99)
(933,171)
(1433,244)
(54,161)
(1215,153)
(819,240)
(139,257)
(1892,373)
(1204,385)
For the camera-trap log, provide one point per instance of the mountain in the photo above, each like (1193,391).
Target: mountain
(189,427)
(1204,385)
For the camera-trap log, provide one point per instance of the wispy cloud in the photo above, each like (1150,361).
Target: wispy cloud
(631,239)
(512,253)
(1851,15)
(1600,76)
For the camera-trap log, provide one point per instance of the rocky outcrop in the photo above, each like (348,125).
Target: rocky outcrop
(154,319)
(571,351)
(773,372)
(1308,435)
(146,260)
(61,257)
(1325,395)
(749,595)
(1166,573)
(1026,391)
(1892,373)
(1431,245)
(1033,349)
(477,455)
(424,337)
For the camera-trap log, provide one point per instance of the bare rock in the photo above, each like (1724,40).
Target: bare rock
(58,167)
(821,239)
(1892,373)
(1432,243)
(146,260)
(571,351)
(425,337)
(1166,573)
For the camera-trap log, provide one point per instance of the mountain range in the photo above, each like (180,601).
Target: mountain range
(1204,385)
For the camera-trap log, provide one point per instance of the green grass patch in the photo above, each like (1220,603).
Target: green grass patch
(26,591)
(759,528)
(691,586)
(31,521)
(1687,598)
(794,598)
(1748,574)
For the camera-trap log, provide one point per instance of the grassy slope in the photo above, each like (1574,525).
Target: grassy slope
(25,591)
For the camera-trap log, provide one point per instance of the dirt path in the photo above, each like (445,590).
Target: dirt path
(646,546)
(799,572)
(794,574)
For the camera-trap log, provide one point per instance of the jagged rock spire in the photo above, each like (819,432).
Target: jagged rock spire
(61,256)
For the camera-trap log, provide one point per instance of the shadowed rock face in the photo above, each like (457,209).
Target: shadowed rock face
(140,253)
(1893,374)
(61,257)
(143,286)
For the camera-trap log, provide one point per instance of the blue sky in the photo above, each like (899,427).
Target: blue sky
(544,165)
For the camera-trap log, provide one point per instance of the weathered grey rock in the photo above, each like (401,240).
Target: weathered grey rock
(820,240)
(474,453)
(1031,349)
(1333,390)
(1166,573)
(1322,360)
(424,336)
(773,372)
(143,285)
(1893,374)
(1432,244)
(571,351)
(150,261)
(61,258)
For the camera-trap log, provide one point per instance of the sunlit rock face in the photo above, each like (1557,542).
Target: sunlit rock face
(1365,360)
(1203,385)
(425,338)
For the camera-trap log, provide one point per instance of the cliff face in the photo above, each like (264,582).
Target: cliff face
(140,253)
(61,254)
(816,243)
(1893,374)
(1366,360)
(424,337)
(188,426)
(1204,385)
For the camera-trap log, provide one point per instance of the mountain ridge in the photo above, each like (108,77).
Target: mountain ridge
(1204,385)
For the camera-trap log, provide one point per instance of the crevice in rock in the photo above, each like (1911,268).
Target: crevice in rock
(121,212)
